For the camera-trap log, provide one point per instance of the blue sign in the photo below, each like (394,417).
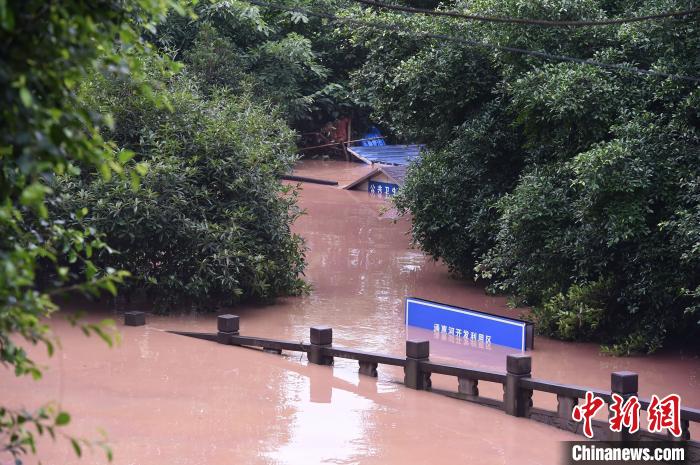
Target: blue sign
(382,188)
(482,328)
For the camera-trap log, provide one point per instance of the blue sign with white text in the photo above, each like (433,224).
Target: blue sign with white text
(482,328)
(382,188)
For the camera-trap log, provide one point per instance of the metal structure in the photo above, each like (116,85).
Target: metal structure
(400,155)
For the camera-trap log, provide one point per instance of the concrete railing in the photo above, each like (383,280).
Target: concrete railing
(518,385)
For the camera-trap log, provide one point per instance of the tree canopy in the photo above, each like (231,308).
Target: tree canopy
(567,185)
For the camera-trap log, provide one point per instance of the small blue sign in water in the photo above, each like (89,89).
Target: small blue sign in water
(382,188)
(482,328)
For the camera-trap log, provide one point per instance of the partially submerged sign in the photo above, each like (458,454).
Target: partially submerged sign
(382,188)
(469,324)
(383,180)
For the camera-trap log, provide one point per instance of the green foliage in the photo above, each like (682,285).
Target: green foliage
(606,215)
(284,57)
(210,223)
(578,42)
(216,61)
(572,187)
(46,50)
(421,95)
(684,227)
(531,251)
(452,193)
(564,108)
(575,315)
(284,69)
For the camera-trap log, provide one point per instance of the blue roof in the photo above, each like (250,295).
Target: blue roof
(387,154)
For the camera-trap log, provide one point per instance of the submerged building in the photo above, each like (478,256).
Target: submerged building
(383,180)
(390,163)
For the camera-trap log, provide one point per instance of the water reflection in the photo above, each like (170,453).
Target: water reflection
(321,432)
(462,352)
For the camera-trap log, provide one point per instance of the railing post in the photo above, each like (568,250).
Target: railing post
(414,377)
(468,387)
(368,368)
(517,401)
(321,336)
(626,385)
(134,318)
(565,407)
(227,326)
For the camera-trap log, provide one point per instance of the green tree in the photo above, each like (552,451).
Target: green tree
(210,223)
(46,49)
(569,186)
(452,193)
(295,61)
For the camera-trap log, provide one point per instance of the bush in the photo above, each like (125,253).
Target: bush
(418,97)
(210,222)
(575,315)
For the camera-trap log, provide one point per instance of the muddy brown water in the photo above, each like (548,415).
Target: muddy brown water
(167,399)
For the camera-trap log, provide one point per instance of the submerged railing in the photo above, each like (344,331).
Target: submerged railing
(518,385)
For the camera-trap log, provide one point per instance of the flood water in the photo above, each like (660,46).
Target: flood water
(167,399)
